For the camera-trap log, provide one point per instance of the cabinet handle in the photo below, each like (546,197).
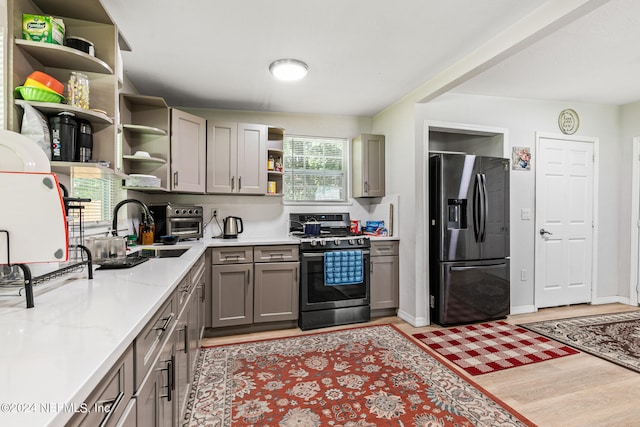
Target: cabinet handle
(239,183)
(366,187)
(276,255)
(111,404)
(175,178)
(170,378)
(233,179)
(186,339)
(167,321)
(249,278)
(202,292)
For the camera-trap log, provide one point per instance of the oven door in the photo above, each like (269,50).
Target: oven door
(185,227)
(316,295)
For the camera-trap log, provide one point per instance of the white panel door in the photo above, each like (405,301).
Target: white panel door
(564,222)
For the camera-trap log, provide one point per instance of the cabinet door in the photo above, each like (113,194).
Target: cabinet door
(384,282)
(276,291)
(368,166)
(252,159)
(188,150)
(156,397)
(182,372)
(232,295)
(222,139)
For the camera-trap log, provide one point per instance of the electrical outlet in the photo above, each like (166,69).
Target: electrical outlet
(214,213)
(523,275)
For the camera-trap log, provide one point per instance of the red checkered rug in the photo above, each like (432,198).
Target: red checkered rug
(493,346)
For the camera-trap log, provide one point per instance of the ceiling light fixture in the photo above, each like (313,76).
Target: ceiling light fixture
(288,69)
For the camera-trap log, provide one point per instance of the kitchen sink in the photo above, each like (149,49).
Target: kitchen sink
(161,252)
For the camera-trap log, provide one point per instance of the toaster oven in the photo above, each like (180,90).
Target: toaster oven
(184,221)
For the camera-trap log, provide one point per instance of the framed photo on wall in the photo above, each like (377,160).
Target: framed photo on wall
(521,158)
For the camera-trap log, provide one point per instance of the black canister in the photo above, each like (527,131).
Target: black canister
(63,128)
(84,141)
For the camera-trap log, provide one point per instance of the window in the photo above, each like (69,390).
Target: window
(315,169)
(104,191)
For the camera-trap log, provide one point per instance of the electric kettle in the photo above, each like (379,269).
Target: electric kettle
(232,226)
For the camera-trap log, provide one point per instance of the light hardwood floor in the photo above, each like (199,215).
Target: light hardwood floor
(577,390)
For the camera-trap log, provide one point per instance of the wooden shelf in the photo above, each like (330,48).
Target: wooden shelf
(56,56)
(143,129)
(144,159)
(80,113)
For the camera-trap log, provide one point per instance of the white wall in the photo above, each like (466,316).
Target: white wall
(523,118)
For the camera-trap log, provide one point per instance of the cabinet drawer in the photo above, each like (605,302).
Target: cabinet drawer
(275,253)
(108,401)
(232,255)
(384,248)
(148,343)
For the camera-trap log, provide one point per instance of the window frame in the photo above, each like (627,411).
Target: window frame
(346,162)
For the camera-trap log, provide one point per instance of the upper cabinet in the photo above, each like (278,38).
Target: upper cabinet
(188,152)
(367,166)
(86,19)
(236,158)
(275,161)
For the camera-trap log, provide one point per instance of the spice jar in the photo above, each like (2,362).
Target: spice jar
(78,90)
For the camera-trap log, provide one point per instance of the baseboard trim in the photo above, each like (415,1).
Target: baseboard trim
(416,322)
(523,309)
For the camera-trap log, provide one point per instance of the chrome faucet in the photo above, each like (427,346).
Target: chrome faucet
(147,219)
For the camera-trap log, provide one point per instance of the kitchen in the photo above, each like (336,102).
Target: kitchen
(404,124)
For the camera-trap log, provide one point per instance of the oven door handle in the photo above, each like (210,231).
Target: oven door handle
(321,254)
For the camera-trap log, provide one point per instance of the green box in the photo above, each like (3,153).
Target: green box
(43,29)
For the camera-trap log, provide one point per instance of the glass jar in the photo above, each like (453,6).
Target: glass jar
(78,90)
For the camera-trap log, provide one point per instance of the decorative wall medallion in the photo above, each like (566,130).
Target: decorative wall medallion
(568,121)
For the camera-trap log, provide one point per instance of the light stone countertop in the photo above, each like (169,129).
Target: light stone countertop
(57,352)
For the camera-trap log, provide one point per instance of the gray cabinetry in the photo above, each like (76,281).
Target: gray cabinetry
(236,158)
(188,152)
(232,286)
(109,400)
(156,397)
(384,275)
(368,166)
(276,283)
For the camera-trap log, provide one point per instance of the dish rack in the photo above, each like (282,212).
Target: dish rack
(79,255)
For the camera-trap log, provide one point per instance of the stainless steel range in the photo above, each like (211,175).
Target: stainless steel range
(334,279)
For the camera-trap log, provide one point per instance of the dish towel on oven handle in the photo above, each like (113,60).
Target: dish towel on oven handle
(343,268)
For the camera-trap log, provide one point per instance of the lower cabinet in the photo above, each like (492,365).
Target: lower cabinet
(254,284)
(384,275)
(149,386)
(107,403)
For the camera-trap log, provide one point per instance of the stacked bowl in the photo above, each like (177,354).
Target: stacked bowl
(40,86)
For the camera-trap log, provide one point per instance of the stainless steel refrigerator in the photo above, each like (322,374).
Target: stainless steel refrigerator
(468,238)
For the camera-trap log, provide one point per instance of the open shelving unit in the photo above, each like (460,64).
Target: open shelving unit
(275,148)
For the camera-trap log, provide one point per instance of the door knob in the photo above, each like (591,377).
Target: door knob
(543,232)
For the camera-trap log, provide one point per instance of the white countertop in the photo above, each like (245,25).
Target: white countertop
(57,352)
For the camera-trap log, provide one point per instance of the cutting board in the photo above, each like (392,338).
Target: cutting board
(33,216)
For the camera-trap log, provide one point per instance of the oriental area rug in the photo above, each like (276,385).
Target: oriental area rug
(613,337)
(488,347)
(359,377)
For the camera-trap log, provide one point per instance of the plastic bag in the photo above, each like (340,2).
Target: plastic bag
(36,127)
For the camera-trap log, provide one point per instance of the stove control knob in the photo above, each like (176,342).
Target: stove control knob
(352,242)
(337,242)
(361,241)
(314,243)
(323,242)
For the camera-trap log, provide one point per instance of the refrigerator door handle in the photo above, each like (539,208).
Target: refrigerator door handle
(475,267)
(477,209)
(485,206)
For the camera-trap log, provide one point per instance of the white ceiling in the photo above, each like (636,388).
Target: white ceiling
(363,55)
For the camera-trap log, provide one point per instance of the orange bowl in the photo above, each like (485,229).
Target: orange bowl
(47,81)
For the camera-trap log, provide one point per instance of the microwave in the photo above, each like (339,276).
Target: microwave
(184,221)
